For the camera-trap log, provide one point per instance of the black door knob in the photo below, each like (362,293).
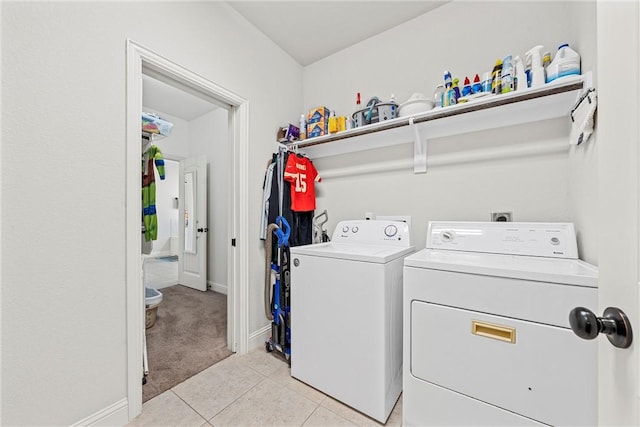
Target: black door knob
(614,324)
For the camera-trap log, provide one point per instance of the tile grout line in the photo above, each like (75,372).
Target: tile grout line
(230,403)
(310,415)
(237,398)
(288,387)
(191,407)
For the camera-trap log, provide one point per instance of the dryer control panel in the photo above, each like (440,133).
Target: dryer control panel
(372,232)
(555,240)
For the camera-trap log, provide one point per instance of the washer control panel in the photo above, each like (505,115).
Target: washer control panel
(372,232)
(556,240)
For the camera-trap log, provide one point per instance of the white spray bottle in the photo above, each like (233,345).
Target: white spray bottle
(537,70)
(521,77)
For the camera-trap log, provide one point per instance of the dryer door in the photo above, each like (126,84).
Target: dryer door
(536,370)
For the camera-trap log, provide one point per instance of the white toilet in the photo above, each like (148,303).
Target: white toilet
(152,299)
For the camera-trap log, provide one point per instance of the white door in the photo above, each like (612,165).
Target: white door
(192,205)
(618,194)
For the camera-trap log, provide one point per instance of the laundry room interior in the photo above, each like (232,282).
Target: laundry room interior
(397,203)
(473,174)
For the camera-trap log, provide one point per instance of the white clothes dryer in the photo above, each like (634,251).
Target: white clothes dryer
(487,339)
(346,314)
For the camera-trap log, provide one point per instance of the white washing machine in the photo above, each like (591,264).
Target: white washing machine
(346,314)
(487,339)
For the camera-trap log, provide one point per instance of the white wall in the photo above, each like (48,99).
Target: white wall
(465,38)
(176,145)
(210,136)
(63,181)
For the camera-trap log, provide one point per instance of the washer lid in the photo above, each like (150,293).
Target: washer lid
(541,269)
(353,252)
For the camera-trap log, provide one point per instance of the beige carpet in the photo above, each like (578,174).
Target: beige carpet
(190,334)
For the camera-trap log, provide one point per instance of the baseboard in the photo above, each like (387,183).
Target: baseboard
(259,337)
(217,287)
(116,414)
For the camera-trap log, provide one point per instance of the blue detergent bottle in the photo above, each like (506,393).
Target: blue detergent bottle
(565,63)
(446,99)
(466,88)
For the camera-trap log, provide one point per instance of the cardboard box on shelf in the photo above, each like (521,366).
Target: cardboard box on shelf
(288,134)
(317,129)
(318,114)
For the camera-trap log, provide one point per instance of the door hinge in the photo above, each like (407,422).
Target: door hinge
(233,242)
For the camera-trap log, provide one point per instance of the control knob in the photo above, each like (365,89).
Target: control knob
(448,235)
(390,230)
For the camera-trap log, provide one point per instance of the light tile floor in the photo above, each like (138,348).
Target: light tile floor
(255,389)
(160,273)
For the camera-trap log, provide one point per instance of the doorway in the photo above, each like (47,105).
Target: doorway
(143,62)
(186,332)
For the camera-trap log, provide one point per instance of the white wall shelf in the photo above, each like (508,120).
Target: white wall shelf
(550,101)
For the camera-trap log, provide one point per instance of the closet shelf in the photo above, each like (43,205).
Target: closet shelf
(551,101)
(151,136)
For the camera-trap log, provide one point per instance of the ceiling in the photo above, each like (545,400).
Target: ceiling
(164,98)
(311,30)
(306,30)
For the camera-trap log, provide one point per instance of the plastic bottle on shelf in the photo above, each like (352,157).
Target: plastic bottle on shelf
(520,80)
(456,89)
(477,85)
(537,71)
(546,60)
(466,88)
(565,63)
(333,122)
(496,77)
(438,96)
(303,128)
(394,106)
(446,99)
(486,82)
(507,75)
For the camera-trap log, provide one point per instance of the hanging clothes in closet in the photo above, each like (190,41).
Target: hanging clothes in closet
(289,190)
(302,175)
(151,156)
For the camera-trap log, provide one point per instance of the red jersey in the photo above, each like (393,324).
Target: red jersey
(302,175)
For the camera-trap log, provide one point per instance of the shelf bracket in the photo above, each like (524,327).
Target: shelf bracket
(419,150)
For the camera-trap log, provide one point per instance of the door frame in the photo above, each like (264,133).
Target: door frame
(139,60)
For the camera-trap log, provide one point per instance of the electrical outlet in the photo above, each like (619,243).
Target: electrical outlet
(502,216)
